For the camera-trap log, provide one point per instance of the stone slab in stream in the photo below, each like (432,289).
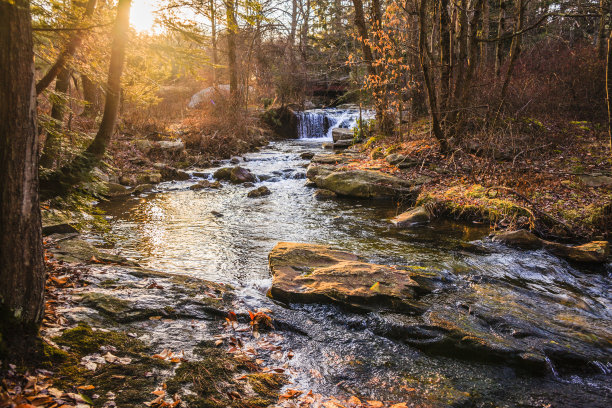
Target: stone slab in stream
(444,313)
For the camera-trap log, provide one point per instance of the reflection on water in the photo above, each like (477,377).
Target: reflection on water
(176,230)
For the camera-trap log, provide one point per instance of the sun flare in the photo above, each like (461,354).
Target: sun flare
(142,16)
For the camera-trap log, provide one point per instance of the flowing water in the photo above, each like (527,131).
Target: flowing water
(222,235)
(318,123)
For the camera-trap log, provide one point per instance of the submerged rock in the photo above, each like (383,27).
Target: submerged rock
(417,215)
(116,190)
(324,194)
(241,175)
(316,273)
(170,174)
(75,249)
(591,252)
(259,192)
(223,173)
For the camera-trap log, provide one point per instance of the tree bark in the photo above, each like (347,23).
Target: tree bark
(609,87)
(213,26)
(64,179)
(73,43)
(604,6)
(501,22)
(232,29)
(91,94)
(22,274)
(54,138)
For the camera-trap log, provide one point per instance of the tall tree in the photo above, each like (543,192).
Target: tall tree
(22,274)
(54,134)
(63,180)
(232,30)
(73,43)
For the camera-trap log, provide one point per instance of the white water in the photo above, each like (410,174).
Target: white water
(319,123)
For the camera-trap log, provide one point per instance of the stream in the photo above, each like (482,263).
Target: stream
(223,236)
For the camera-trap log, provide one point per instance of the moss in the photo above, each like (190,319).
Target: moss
(267,385)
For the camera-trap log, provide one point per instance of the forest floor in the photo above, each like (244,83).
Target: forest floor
(549,176)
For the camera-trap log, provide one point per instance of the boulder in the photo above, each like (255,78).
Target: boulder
(339,134)
(338,158)
(200,174)
(142,188)
(307,155)
(417,215)
(149,177)
(315,273)
(400,160)
(223,173)
(596,181)
(241,175)
(259,192)
(116,190)
(324,194)
(201,185)
(169,146)
(327,145)
(519,238)
(170,173)
(64,228)
(143,145)
(234,160)
(75,249)
(127,180)
(343,144)
(591,252)
(366,184)
(315,170)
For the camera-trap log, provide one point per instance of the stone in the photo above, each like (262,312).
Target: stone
(417,215)
(377,154)
(100,175)
(200,174)
(310,184)
(342,144)
(223,173)
(327,145)
(367,184)
(170,173)
(142,188)
(259,192)
(314,170)
(143,145)
(324,194)
(591,252)
(400,160)
(64,228)
(170,146)
(338,158)
(75,249)
(116,190)
(234,160)
(519,238)
(339,134)
(307,155)
(149,177)
(127,180)
(201,185)
(310,273)
(596,181)
(248,184)
(216,185)
(241,175)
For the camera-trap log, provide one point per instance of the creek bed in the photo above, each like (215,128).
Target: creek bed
(224,236)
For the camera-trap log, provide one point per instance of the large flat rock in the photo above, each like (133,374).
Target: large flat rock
(311,273)
(367,184)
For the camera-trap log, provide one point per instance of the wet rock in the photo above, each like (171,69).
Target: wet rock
(63,228)
(307,155)
(327,145)
(76,249)
(234,160)
(591,252)
(142,188)
(241,175)
(343,144)
(248,184)
(417,215)
(201,185)
(324,194)
(342,134)
(338,158)
(259,192)
(367,184)
(519,238)
(216,185)
(200,174)
(316,170)
(316,273)
(116,190)
(127,180)
(216,213)
(264,177)
(149,177)
(223,173)
(310,184)
(298,175)
(170,173)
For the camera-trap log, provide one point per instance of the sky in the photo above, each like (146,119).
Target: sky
(141,15)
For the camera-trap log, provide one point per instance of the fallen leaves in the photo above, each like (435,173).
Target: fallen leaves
(25,391)
(168,355)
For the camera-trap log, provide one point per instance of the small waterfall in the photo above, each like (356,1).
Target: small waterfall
(319,123)
(551,367)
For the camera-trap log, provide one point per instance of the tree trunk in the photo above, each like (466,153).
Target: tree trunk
(91,94)
(232,29)
(73,43)
(213,26)
(53,141)
(22,274)
(304,31)
(609,87)
(501,22)
(515,49)
(601,41)
(64,179)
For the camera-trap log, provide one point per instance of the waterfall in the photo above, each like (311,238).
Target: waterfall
(319,123)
